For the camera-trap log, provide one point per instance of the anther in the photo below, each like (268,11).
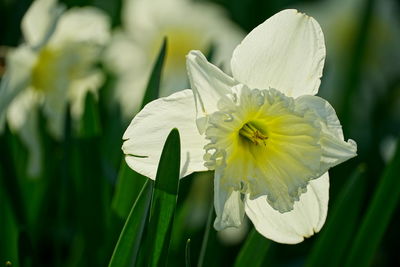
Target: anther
(250,132)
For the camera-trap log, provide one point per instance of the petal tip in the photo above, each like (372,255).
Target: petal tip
(194,54)
(353,145)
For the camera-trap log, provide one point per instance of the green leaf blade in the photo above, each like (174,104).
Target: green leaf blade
(127,247)
(164,201)
(129,184)
(153,85)
(343,219)
(8,232)
(253,251)
(207,232)
(378,215)
(90,125)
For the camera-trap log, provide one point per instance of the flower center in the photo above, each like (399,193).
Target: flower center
(249,120)
(56,67)
(253,134)
(44,73)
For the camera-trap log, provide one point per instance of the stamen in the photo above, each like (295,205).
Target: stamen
(250,132)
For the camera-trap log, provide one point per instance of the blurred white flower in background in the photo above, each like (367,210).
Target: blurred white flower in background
(269,140)
(55,66)
(341,21)
(387,148)
(187,25)
(234,235)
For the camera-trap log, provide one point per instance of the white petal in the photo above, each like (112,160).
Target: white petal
(334,149)
(228,204)
(18,75)
(86,24)
(286,52)
(146,135)
(22,119)
(54,108)
(209,84)
(307,217)
(325,111)
(387,148)
(128,93)
(29,133)
(123,54)
(127,61)
(79,89)
(40,21)
(19,109)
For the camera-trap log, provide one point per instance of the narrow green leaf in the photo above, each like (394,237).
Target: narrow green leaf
(127,247)
(127,189)
(253,251)
(378,215)
(55,197)
(187,253)
(25,249)
(92,193)
(206,236)
(163,202)
(352,80)
(90,122)
(153,86)
(330,248)
(9,181)
(8,232)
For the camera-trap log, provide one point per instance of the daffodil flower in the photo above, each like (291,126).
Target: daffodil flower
(55,66)
(269,140)
(187,25)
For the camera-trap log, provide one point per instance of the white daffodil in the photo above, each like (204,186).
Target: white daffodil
(187,25)
(55,66)
(269,140)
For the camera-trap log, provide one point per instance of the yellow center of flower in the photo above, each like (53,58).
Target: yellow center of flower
(44,72)
(251,133)
(57,67)
(264,143)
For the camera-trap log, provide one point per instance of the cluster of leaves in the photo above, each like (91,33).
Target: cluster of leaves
(84,213)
